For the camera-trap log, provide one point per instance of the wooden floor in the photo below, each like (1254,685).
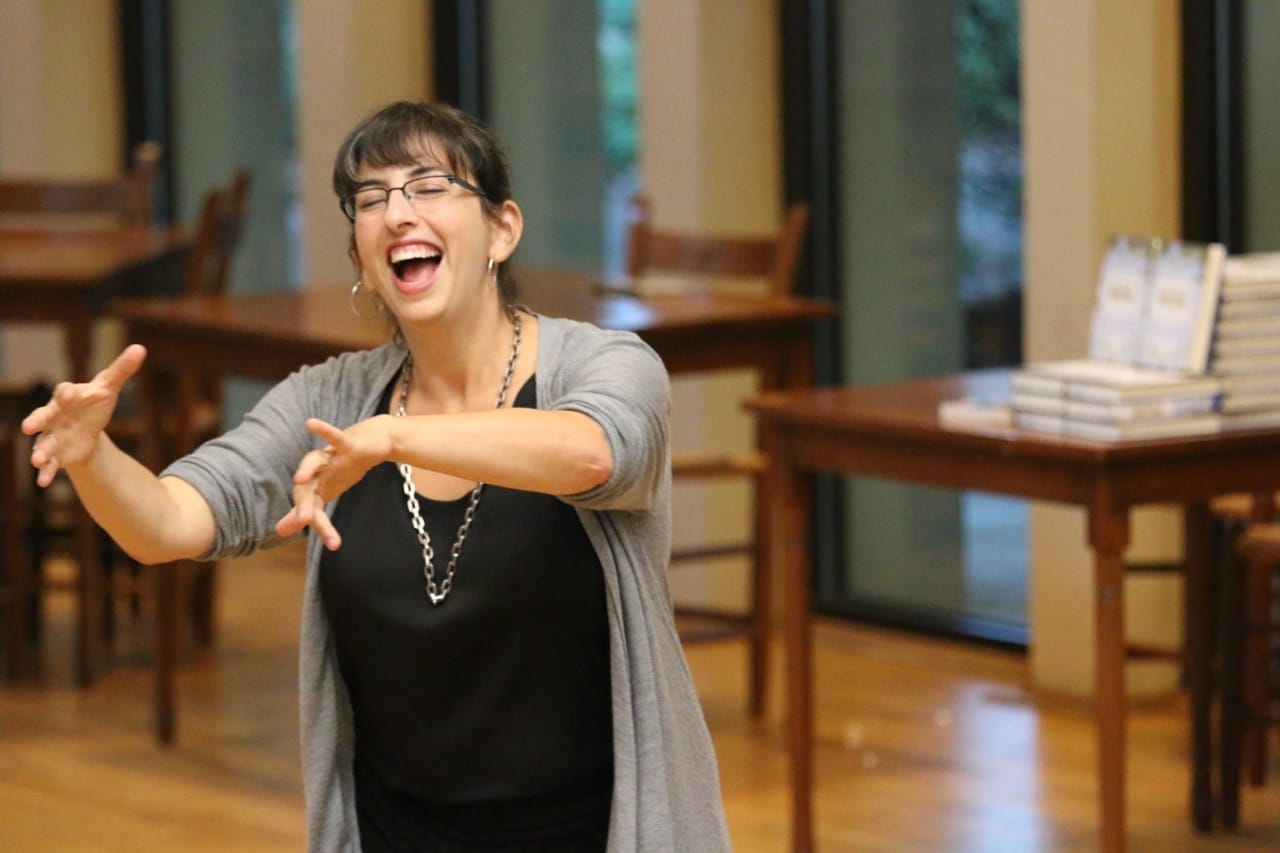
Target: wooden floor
(922,746)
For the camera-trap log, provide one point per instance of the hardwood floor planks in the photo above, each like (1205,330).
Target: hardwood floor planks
(921,745)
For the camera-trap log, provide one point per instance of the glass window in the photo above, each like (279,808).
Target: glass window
(928,184)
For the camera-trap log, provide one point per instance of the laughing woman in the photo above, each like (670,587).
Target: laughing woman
(489,659)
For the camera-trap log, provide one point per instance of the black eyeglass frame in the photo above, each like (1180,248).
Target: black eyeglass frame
(348,201)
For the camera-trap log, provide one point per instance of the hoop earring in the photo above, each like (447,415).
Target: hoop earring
(355,288)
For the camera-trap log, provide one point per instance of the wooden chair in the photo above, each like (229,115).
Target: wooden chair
(53,519)
(772,258)
(1230,515)
(1250,663)
(126,199)
(200,408)
(16,490)
(50,519)
(218,235)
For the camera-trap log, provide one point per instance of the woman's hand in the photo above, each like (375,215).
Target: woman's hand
(69,425)
(325,474)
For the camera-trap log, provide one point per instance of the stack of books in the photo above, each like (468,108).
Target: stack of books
(1246,348)
(1150,342)
(1097,400)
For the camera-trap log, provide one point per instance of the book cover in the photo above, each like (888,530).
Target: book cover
(1186,280)
(1122,295)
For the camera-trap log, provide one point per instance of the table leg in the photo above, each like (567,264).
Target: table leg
(170,578)
(1109,535)
(92,594)
(168,584)
(1199,604)
(790,496)
(1231,696)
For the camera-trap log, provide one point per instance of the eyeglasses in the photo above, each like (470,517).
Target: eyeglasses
(420,192)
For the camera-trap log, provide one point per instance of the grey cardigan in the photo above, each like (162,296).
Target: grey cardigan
(666,794)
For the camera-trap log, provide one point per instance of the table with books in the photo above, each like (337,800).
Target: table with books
(1175,401)
(897,431)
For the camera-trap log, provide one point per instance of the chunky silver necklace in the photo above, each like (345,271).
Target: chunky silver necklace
(437,594)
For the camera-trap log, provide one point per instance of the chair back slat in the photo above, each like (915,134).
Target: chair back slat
(126,199)
(772,258)
(218,235)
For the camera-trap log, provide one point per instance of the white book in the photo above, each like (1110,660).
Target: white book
(975,412)
(1115,338)
(1235,404)
(1249,290)
(1032,382)
(1246,365)
(1262,383)
(1037,404)
(1266,419)
(1145,430)
(1236,347)
(1099,381)
(1249,327)
(1243,309)
(1047,424)
(1121,297)
(1125,277)
(1125,413)
(1182,306)
(1251,268)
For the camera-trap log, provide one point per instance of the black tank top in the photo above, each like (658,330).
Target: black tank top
(502,691)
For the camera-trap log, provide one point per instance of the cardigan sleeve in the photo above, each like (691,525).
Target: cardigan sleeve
(246,474)
(616,379)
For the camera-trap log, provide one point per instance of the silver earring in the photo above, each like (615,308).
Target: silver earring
(355,288)
(490,267)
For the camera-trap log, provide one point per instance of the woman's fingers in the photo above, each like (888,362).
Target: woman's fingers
(127,363)
(309,512)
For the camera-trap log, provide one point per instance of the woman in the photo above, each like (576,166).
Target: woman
(488,655)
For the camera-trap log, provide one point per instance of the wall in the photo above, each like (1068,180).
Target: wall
(1100,95)
(58,118)
(710,146)
(350,62)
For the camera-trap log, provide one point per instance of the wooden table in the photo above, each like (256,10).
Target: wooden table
(892,431)
(266,336)
(66,276)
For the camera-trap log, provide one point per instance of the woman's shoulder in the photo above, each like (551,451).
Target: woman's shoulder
(349,379)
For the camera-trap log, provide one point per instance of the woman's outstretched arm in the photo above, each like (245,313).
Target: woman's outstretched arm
(154,520)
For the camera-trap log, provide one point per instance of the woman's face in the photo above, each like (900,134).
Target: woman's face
(427,258)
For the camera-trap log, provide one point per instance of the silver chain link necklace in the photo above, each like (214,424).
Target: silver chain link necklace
(437,594)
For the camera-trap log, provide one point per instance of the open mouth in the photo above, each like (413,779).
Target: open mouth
(415,263)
